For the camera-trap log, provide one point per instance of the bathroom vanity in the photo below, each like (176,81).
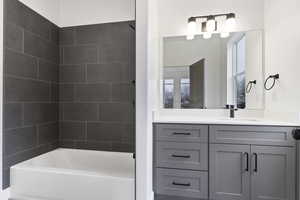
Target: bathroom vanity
(224,162)
(219,159)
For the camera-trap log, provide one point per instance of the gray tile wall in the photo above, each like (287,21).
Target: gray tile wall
(31,74)
(96,90)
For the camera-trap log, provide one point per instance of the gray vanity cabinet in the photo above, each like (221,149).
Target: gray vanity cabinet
(224,162)
(181,133)
(193,156)
(229,172)
(245,168)
(180,162)
(182,183)
(258,135)
(273,173)
(269,170)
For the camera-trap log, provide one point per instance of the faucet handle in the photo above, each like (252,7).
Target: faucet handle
(228,106)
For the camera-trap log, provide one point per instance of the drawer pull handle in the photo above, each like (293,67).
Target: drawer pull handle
(182,184)
(176,133)
(180,156)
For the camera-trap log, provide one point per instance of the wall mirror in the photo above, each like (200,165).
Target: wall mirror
(210,73)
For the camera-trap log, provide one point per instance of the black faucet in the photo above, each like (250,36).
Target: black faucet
(232,110)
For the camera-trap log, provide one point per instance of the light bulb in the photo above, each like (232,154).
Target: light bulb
(192,27)
(211,24)
(203,27)
(207,35)
(225,34)
(230,22)
(190,37)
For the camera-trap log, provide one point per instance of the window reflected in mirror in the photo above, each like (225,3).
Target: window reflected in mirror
(169,93)
(185,93)
(239,72)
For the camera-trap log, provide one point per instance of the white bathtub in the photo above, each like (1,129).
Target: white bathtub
(66,174)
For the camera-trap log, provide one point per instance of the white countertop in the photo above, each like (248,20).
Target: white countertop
(227,121)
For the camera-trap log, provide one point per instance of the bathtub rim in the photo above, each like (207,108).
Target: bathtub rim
(25,166)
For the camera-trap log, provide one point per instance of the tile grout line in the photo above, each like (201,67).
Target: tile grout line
(37,135)
(26,78)
(30,126)
(86,131)
(29,55)
(23,41)
(86,73)
(38,68)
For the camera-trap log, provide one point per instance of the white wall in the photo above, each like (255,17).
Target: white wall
(47,8)
(254,69)
(3,193)
(1,97)
(146,57)
(82,12)
(66,13)
(282,35)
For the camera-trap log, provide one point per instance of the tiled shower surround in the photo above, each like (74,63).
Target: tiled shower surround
(96,86)
(65,87)
(31,64)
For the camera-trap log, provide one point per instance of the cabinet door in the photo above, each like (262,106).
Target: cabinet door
(229,172)
(273,173)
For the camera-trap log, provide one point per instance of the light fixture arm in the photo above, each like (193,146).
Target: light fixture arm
(230,15)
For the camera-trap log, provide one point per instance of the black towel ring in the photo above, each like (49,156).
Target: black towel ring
(274,77)
(250,85)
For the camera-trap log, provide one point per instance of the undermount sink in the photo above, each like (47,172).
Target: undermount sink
(241,119)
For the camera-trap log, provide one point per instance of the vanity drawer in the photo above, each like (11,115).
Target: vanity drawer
(168,197)
(183,183)
(192,156)
(260,135)
(181,133)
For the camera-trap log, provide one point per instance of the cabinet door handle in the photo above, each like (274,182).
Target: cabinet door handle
(177,133)
(255,162)
(181,156)
(246,154)
(182,184)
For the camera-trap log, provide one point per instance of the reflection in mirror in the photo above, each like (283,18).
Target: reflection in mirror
(208,74)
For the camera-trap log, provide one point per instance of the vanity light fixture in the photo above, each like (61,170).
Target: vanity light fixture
(210,25)
(192,28)
(206,34)
(224,34)
(230,21)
